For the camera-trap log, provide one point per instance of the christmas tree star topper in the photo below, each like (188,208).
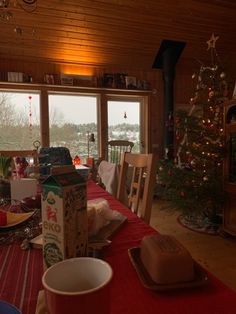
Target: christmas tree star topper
(212,41)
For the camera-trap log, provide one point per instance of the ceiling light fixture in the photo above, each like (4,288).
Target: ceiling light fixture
(5,6)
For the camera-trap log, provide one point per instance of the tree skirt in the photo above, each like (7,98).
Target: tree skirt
(201,223)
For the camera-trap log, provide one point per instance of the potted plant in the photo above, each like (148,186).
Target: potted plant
(5,172)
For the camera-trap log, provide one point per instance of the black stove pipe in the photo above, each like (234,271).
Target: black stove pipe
(169,77)
(166,60)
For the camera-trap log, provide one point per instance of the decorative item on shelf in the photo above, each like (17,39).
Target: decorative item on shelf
(79,80)
(85,80)
(108,80)
(90,139)
(15,77)
(49,79)
(67,79)
(131,82)
(120,80)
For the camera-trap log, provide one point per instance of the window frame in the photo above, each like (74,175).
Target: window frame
(102,95)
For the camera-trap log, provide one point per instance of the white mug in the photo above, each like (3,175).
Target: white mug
(78,285)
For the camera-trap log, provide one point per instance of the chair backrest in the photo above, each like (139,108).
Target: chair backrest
(141,185)
(116,148)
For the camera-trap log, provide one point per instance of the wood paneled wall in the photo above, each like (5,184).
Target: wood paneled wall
(183,87)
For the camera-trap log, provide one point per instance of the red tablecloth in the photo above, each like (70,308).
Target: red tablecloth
(21,272)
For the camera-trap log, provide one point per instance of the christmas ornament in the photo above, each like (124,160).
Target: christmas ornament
(212,41)
(222,75)
(30,115)
(211,94)
(193,163)
(170,172)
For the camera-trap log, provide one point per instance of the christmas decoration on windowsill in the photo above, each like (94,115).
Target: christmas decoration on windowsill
(193,181)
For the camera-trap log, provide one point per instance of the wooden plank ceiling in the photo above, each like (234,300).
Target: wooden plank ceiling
(126,33)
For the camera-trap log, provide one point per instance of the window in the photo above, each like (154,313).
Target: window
(19,120)
(124,122)
(69,117)
(72,118)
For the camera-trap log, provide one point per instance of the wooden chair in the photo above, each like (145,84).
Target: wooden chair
(142,182)
(116,148)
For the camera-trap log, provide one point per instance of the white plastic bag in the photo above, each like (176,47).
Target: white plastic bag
(100,215)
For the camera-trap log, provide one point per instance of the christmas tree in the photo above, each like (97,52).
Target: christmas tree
(193,180)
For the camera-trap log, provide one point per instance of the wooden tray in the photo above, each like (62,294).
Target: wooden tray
(98,241)
(108,231)
(200,278)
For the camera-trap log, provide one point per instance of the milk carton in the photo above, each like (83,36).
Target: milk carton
(64,217)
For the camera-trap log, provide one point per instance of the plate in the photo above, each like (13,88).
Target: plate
(14,219)
(108,231)
(8,308)
(98,241)
(200,276)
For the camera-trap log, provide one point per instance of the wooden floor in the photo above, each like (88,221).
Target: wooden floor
(213,252)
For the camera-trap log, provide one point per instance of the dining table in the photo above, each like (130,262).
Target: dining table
(21,274)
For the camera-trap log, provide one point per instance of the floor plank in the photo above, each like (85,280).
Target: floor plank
(213,252)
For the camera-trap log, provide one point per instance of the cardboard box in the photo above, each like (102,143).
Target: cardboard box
(64,217)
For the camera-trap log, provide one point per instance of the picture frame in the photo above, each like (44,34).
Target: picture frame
(131,82)
(49,79)
(120,80)
(67,79)
(108,80)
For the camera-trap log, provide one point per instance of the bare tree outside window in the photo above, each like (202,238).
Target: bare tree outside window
(17,131)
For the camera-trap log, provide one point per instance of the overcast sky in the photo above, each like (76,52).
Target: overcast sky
(77,109)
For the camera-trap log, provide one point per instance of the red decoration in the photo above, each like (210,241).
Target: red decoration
(170,172)
(182,193)
(21,164)
(30,116)
(76,160)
